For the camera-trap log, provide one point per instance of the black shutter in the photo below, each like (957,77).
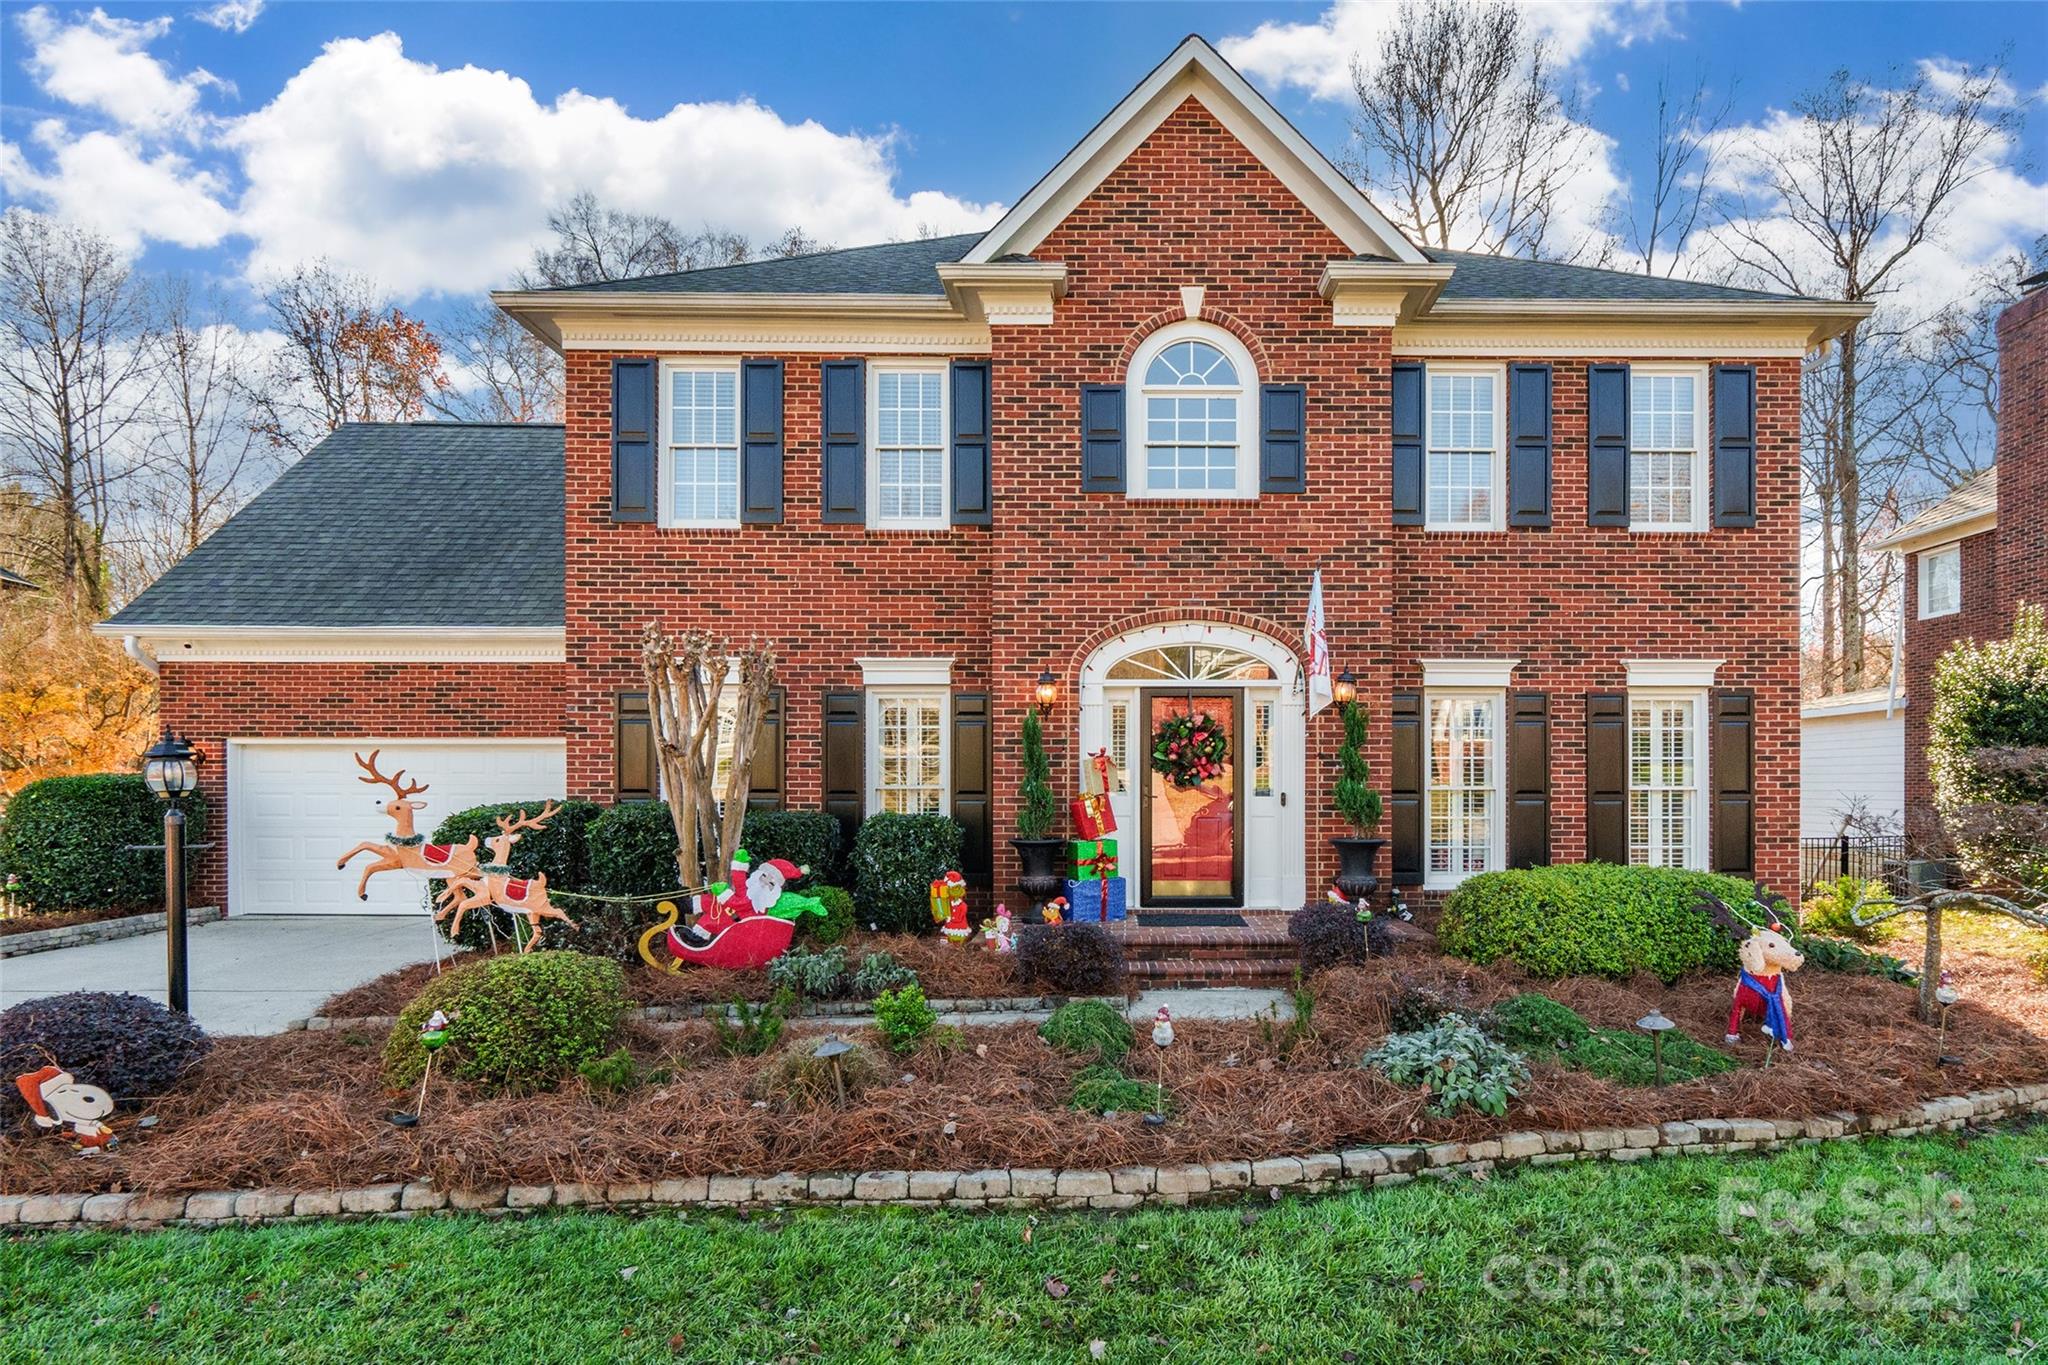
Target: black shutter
(845,760)
(1404,804)
(1102,438)
(761,455)
(1529,448)
(1735,783)
(971,506)
(633,767)
(1607,445)
(1606,777)
(972,780)
(1283,449)
(842,418)
(1408,388)
(766,784)
(1735,445)
(1528,779)
(633,428)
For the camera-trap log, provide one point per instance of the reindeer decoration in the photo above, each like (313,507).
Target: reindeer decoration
(406,851)
(493,884)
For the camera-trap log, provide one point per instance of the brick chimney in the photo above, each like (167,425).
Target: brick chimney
(2023,449)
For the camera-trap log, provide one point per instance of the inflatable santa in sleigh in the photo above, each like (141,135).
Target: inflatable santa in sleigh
(738,925)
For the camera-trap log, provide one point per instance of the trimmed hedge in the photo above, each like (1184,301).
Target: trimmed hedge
(1592,919)
(808,838)
(65,841)
(632,846)
(559,852)
(896,858)
(521,1022)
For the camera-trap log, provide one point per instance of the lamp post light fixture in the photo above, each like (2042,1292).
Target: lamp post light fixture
(1345,689)
(1656,1025)
(1048,691)
(171,770)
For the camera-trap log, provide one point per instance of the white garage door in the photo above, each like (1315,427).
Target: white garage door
(296,806)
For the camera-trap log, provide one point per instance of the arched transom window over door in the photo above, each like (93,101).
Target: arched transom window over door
(1194,388)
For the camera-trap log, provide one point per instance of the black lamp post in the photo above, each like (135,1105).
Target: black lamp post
(171,770)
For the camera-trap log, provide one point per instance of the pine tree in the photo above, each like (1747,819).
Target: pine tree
(1035,807)
(1358,803)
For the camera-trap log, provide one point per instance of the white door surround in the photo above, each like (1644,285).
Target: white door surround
(1273,825)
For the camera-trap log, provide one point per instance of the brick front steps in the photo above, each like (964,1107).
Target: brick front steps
(1125,1187)
(1161,958)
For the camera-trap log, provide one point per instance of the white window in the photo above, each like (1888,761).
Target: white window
(1941,581)
(700,447)
(907,754)
(1119,743)
(1666,811)
(907,464)
(1464,773)
(1262,748)
(1465,472)
(1667,449)
(1192,388)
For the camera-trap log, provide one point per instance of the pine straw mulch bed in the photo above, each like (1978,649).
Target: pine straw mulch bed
(307,1110)
(946,973)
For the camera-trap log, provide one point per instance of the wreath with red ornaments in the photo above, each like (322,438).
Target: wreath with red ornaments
(1189,749)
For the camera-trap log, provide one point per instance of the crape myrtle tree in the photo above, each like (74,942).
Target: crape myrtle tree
(696,737)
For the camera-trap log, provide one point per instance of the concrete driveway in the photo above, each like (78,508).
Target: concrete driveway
(248,973)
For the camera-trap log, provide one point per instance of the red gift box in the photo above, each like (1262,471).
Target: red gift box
(1093,817)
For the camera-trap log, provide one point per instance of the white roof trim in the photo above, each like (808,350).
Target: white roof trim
(1467,672)
(906,672)
(346,644)
(1943,532)
(1826,710)
(1197,69)
(1653,673)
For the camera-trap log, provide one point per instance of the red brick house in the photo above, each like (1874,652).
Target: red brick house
(1975,556)
(1556,511)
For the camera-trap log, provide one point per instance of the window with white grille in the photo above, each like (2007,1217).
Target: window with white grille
(1464,465)
(907,753)
(1667,467)
(1664,772)
(1262,748)
(907,462)
(1193,387)
(1464,772)
(702,444)
(1941,581)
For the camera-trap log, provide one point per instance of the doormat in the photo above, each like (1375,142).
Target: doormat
(1190,919)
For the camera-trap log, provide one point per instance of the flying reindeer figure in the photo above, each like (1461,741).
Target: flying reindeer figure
(493,884)
(406,851)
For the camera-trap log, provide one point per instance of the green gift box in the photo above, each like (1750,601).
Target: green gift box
(1091,860)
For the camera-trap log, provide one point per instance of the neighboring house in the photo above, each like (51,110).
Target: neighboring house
(1852,762)
(10,581)
(1556,510)
(1973,557)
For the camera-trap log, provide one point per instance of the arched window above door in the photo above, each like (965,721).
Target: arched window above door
(1191,663)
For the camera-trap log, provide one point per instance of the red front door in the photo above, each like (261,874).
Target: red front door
(1193,848)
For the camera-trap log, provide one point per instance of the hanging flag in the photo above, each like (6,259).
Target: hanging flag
(1319,694)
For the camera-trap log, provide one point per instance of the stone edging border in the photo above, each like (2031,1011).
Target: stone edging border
(1125,1187)
(98,931)
(821,1011)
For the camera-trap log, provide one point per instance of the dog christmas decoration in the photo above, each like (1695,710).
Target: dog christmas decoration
(492,885)
(1767,956)
(405,850)
(58,1102)
(949,908)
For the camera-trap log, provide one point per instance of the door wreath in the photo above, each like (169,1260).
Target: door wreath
(1189,749)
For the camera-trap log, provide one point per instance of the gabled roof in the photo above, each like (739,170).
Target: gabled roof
(1972,507)
(400,524)
(1199,70)
(888,268)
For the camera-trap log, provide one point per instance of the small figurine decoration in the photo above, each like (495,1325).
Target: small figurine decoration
(997,934)
(59,1101)
(949,908)
(405,850)
(493,886)
(1054,911)
(740,925)
(1766,956)
(1162,1027)
(433,1037)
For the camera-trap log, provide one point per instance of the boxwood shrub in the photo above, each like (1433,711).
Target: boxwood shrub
(632,850)
(66,842)
(808,838)
(521,1022)
(896,858)
(1592,919)
(559,852)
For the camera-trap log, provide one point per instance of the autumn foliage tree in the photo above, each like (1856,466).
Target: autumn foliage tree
(70,702)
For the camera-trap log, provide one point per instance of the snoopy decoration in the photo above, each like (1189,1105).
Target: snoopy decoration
(1767,956)
(59,1101)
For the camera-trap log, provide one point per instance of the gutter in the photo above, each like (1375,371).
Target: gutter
(132,646)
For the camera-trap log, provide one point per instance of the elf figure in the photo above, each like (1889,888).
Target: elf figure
(724,904)
(1760,993)
(57,1099)
(949,908)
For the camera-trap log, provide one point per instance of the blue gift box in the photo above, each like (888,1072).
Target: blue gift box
(1092,902)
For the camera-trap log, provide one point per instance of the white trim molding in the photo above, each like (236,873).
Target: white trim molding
(1671,674)
(1005,293)
(1380,293)
(873,324)
(346,644)
(876,672)
(1467,673)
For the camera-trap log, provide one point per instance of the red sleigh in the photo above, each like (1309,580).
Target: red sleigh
(741,946)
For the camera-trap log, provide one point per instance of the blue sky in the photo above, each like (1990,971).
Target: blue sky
(231,153)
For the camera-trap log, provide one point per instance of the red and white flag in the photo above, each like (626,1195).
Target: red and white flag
(1319,694)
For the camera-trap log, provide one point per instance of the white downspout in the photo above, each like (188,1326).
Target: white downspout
(132,645)
(1891,695)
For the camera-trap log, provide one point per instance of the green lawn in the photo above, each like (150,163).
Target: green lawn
(1930,1248)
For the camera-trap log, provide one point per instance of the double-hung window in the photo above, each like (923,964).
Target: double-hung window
(907,460)
(1463,767)
(908,757)
(701,442)
(1195,390)
(1666,808)
(1941,581)
(1667,455)
(1465,471)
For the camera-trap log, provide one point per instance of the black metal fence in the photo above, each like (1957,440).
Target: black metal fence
(1823,860)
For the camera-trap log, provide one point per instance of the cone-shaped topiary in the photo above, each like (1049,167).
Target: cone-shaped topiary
(1357,802)
(1035,809)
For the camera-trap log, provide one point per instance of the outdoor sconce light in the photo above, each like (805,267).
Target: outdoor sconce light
(1656,1025)
(1345,691)
(1048,691)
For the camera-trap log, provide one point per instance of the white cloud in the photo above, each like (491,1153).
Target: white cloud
(231,16)
(1316,55)
(103,64)
(1947,78)
(441,180)
(106,181)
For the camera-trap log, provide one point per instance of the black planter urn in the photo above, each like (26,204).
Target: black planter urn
(1040,874)
(1355,861)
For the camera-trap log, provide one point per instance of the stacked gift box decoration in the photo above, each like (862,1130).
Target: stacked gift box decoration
(1095,892)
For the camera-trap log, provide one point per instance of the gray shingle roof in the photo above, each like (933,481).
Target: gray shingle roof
(1972,497)
(890,268)
(385,524)
(10,579)
(1480,276)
